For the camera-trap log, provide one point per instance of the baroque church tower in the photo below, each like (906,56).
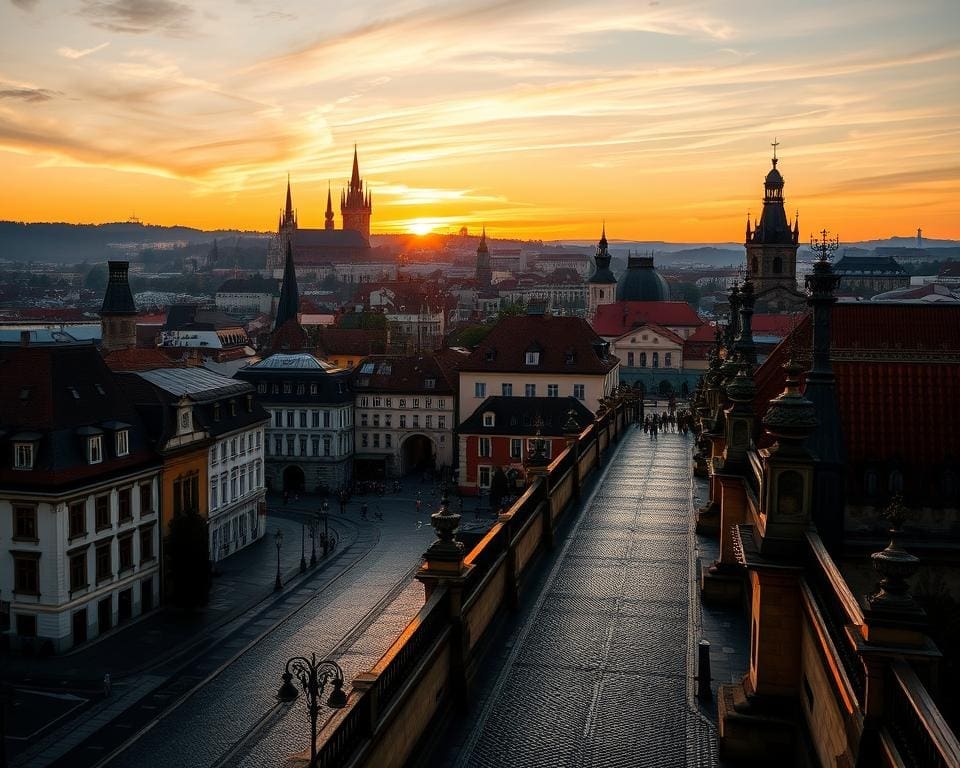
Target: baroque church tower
(603,285)
(355,204)
(771,247)
(484,274)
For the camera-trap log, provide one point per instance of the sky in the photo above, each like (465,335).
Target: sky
(537,118)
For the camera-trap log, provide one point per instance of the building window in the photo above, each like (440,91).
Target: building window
(388,440)
(364,440)
(275,389)
(488,419)
(287,388)
(78,571)
(262,388)
(326,418)
(95,449)
(233,448)
(78,519)
(213,494)
(387,419)
(429,383)
(313,389)
(146,544)
(290,419)
(377,402)
(101,507)
(233,484)
(303,445)
(146,499)
(376,439)
(327,444)
(416,402)
(441,422)
(123,442)
(506,389)
(104,562)
(124,505)
(376,419)
(483,476)
(629,359)
(483,447)
(243,480)
(278,446)
(656,359)
(26,573)
(223,488)
(125,552)
(315,419)
(578,391)
(186,494)
(532,446)
(259,483)
(258,439)
(315,445)
(303,419)
(216,411)
(533,358)
(516,448)
(530,390)
(416,421)
(363,419)
(553,390)
(23,455)
(25,523)
(301,389)
(479,389)
(403,402)
(667,359)
(403,421)
(278,418)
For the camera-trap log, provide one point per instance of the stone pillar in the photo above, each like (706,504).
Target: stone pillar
(571,435)
(443,565)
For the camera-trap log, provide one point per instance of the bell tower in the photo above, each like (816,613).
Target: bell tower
(772,242)
(603,285)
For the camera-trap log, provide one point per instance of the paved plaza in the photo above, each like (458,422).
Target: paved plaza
(599,669)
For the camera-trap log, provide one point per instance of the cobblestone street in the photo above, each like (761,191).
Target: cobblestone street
(599,670)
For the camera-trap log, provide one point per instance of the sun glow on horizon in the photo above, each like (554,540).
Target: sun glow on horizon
(421,227)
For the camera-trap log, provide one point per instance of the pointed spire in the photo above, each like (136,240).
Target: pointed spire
(748,227)
(289,303)
(483,240)
(328,216)
(355,178)
(289,208)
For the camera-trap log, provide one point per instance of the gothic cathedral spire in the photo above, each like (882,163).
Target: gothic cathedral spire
(355,205)
(328,216)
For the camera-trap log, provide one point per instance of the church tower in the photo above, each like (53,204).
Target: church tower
(484,273)
(772,248)
(328,216)
(603,285)
(355,204)
(286,226)
(118,314)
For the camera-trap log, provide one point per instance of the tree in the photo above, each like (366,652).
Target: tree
(96,279)
(512,308)
(498,488)
(470,336)
(189,561)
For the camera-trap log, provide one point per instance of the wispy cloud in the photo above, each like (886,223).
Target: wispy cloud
(73,53)
(26,93)
(138,16)
(25,5)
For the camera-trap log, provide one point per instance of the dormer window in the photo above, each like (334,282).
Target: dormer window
(570,357)
(491,355)
(489,420)
(95,449)
(23,454)
(233,407)
(429,383)
(216,411)
(122,442)
(533,358)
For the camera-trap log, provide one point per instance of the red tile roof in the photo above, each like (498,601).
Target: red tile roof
(655,328)
(897,368)
(778,325)
(618,318)
(139,359)
(504,348)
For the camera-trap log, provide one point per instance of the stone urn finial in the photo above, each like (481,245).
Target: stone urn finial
(446,523)
(894,564)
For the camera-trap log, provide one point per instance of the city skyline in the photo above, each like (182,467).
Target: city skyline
(536,119)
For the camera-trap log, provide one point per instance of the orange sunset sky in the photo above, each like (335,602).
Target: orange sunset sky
(538,118)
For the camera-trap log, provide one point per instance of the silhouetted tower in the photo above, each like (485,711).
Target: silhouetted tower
(118,314)
(355,204)
(772,242)
(826,442)
(603,285)
(484,273)
(919,238)
(289,304)
(328,216)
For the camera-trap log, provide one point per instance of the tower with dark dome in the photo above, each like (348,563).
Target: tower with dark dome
(771,247)
(603,285)
(642,282)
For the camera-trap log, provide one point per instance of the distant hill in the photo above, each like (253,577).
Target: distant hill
(75,243)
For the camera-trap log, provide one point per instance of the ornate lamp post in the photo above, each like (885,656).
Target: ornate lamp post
(313,676)
(278,539)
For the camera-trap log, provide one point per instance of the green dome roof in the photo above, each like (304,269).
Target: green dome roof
(641,282)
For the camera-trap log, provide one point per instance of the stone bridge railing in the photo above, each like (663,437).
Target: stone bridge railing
(428,670)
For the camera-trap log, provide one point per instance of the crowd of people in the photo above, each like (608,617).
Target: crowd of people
(680,422)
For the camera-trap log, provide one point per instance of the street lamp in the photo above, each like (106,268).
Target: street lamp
(303,551)
(278,538)
(313,677)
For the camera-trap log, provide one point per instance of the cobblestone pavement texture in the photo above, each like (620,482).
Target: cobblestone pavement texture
(599,669)
(245,651)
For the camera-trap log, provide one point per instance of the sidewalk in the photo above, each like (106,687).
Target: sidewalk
(242,581)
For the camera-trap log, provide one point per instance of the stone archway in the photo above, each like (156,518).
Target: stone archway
(417,454)
(293,479)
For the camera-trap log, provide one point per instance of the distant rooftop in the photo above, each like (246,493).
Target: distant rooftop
(197,382)
(298,360)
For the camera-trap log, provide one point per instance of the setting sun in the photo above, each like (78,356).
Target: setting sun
(421,226)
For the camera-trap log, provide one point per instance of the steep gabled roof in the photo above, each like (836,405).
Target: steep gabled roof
(518,416)
(568,344)
(617,318)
